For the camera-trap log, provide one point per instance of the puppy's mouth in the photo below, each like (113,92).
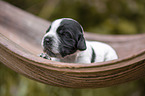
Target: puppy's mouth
(49,52)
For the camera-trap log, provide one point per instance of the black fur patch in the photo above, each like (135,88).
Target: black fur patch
(71,36)
(93,56)
(48,29)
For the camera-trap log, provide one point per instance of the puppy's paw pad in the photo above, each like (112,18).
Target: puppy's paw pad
(45,56)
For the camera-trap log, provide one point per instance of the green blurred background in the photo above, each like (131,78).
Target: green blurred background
(98,16)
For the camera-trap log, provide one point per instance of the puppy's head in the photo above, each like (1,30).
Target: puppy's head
(63,37)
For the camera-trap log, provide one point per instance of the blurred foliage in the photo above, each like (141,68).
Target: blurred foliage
(99,16)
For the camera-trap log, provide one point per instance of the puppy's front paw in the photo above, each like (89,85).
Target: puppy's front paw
(45,56)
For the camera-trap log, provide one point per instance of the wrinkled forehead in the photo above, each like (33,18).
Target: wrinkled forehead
(71,24)
(65,24)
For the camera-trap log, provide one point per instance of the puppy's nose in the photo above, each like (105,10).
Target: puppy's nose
(47,41)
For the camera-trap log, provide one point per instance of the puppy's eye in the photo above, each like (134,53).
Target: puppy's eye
(48,29)
(67,35)
(61,32)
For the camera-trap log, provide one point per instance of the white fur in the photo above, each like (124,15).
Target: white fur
(103,52)
(52,33)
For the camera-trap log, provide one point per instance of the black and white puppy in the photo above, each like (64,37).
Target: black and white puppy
(64,42)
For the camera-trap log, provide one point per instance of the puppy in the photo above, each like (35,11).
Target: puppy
(64,42)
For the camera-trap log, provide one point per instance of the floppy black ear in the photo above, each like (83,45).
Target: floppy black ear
(81,45)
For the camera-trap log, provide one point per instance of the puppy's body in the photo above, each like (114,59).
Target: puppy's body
(64,42)
(92,54)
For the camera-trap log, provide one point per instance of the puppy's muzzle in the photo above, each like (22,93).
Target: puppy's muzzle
(47,44)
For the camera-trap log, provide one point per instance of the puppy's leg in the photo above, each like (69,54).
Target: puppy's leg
(45,56)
